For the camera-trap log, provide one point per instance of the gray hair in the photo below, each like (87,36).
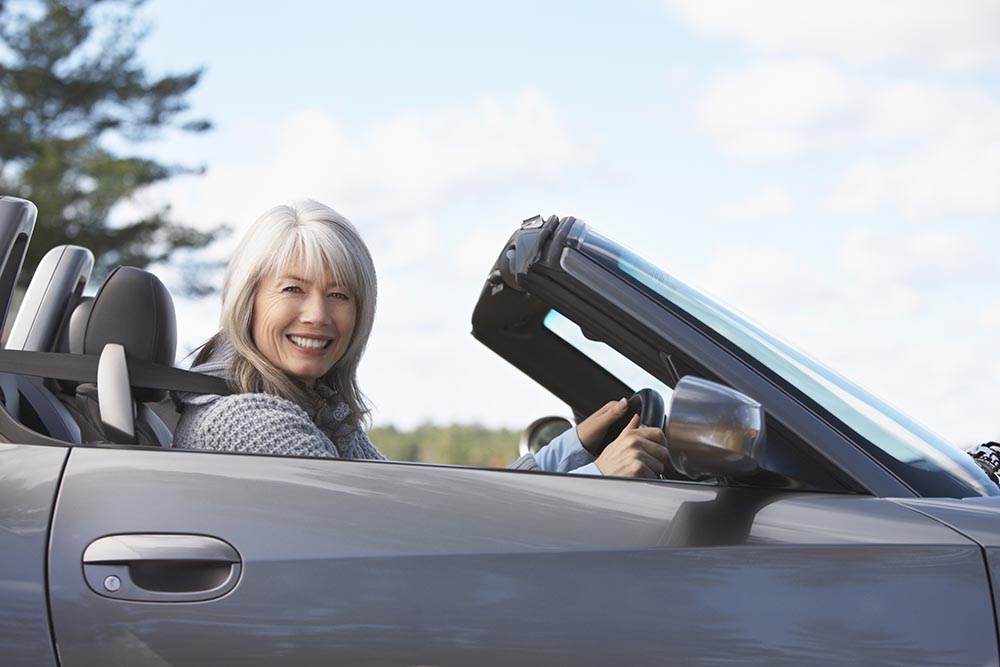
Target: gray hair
(323,240)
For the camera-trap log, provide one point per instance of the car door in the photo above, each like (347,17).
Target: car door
(192,558)
(29,477)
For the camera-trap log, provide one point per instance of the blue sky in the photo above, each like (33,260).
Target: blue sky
(832,176)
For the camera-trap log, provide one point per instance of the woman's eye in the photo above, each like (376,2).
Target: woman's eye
(295,289)
(340,296)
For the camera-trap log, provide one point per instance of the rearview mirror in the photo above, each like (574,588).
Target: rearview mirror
(714,431)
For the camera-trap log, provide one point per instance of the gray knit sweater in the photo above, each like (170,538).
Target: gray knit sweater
(266,424)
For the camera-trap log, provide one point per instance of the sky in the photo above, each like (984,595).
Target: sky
(829,168)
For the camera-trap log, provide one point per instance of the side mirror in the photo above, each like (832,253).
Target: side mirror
(540,433)
(714,431)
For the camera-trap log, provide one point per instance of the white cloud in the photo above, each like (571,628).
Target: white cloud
(938,151)
(747,275)
(408,163)
(198,320)
(406,244)
(989,317)
(880,258)
(935,180)
(767,204)
(477,251)
(775,109)
(927,148)
(939,249)
(956,34)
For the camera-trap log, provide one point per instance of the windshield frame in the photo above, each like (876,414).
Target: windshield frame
(838,401)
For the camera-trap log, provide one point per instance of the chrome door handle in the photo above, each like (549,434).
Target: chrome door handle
(161,567)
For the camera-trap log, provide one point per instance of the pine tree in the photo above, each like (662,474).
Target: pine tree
(71,85)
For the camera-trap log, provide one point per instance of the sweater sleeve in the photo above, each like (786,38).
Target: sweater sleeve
(257,424)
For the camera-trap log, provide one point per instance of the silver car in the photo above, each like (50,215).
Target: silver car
(802,521)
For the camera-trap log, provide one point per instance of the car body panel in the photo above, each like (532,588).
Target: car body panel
(385,563)
(993,563)
(976,518)
(29,477)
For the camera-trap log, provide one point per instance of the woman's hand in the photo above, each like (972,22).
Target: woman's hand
(637,452)
(592,429)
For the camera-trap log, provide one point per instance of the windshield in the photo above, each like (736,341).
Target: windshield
(914,453)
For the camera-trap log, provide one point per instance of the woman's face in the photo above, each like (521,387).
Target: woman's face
(302,326)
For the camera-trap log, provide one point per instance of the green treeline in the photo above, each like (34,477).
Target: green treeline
(458,444)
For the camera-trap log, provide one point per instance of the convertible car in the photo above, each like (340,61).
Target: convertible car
(801,521)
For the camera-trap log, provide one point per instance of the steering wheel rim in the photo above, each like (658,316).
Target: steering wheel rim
(648,404)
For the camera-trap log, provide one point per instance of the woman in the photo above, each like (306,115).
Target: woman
(298,303)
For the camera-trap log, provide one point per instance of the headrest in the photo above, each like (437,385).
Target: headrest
(78,325)
(134,309)
(71,339)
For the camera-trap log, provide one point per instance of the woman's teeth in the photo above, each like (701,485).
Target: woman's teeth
(311,343)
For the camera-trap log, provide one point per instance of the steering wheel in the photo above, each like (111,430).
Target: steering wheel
(648,404)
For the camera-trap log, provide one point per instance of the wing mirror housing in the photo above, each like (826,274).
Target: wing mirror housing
(714,431)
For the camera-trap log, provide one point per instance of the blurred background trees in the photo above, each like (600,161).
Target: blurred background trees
(458,444)
(73,98)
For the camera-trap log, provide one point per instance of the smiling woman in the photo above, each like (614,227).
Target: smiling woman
(298,305)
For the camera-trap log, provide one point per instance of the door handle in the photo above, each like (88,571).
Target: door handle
(161,567)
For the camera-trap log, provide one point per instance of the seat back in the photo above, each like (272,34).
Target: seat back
(25,402)
(131,317)
(56,288)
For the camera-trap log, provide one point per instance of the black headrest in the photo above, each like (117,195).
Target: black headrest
(134,309)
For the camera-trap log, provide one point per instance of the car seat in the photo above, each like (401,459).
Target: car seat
(131,317)
(55,290)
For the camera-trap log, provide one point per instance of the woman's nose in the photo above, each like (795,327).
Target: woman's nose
(314,310)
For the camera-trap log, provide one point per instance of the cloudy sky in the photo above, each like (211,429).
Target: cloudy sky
(830,168)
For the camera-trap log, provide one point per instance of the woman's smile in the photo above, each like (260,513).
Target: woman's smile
(310,343)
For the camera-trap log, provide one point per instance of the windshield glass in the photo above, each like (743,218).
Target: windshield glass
(909,449)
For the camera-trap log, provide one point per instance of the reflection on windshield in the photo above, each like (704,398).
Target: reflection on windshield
(902,439)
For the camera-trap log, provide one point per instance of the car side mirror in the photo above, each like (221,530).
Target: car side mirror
(714,431)
(540,433)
